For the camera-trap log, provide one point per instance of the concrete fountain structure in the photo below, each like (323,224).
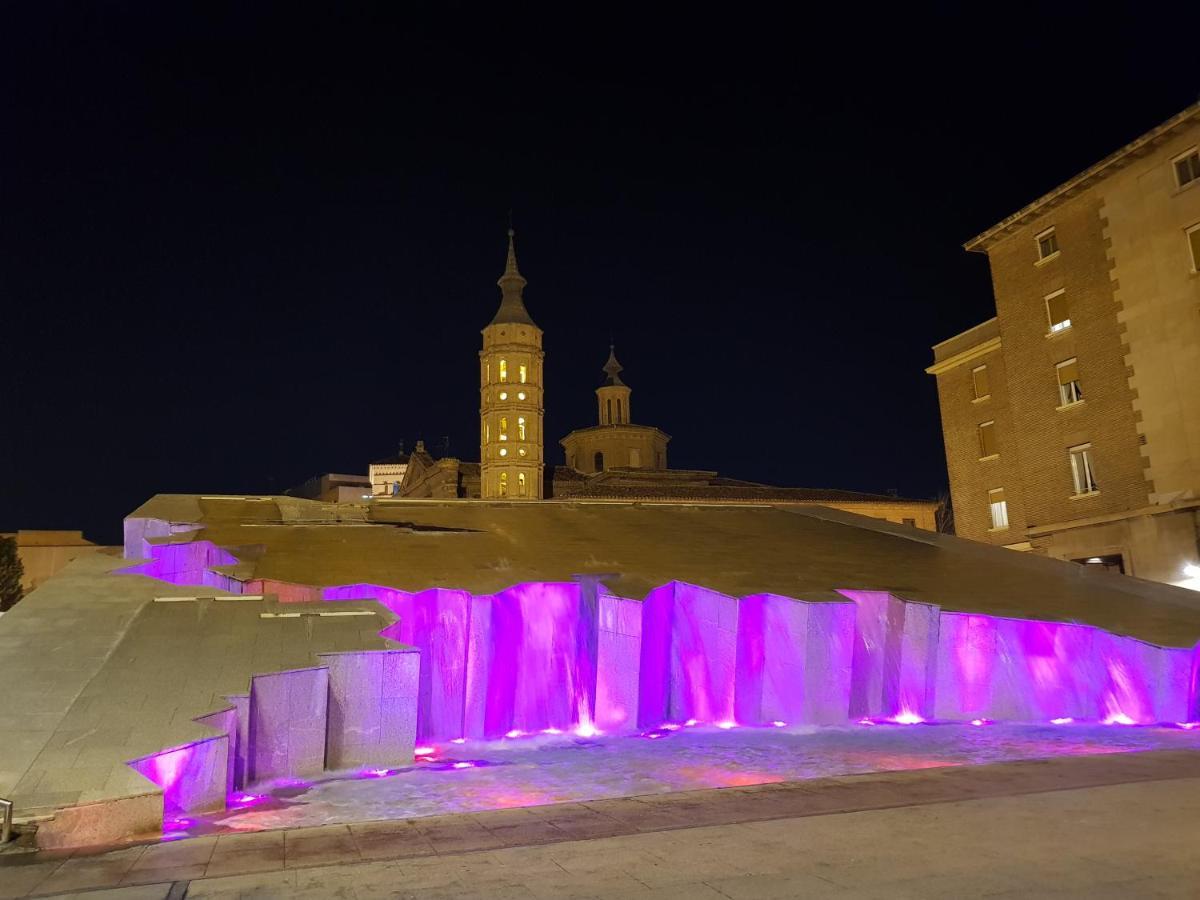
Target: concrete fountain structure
(363,672)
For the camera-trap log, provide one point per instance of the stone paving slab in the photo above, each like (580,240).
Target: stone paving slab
(763,809)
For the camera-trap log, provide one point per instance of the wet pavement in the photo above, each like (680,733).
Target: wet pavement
(547,769)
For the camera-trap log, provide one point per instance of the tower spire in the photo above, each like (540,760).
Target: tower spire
(613,368)
(512,286)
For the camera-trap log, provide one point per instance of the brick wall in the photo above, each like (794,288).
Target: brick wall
(971,478)
(1041,432)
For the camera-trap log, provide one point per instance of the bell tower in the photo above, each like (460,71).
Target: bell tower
(510,395)
(613,395)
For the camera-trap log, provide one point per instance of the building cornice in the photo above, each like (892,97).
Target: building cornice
(1152,510)
(964,356)
(1084,179)
(626,426)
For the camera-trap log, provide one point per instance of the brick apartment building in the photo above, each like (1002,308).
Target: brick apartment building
(1072,419)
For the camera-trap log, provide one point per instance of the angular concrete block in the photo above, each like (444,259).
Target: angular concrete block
(688,658)
(372,708)
(226,722)
(288,713)
(192,777)
(794,660)
(1140,683)
(618,663)
(542,660)
(895,657)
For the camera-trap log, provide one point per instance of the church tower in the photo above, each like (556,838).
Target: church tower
(613,394)
(615,443)
(510,395)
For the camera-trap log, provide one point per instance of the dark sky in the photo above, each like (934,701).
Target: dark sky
(242,244)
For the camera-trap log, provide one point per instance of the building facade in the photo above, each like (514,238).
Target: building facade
(387,474)
(1072,419)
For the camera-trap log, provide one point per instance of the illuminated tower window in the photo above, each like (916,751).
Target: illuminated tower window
(520,484)
(520,428)
(504,395)
(520,395)
(503,484)
(521,373)
(504,370)
(504,451)
(504,428)
(521,452)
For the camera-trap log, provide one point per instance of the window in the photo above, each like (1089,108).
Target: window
(598,459)
(1047,244)
(608,406)
(520,395)
(1193,236)
(998,507)
(619,419)
(521,492)
(504,370)
(504,428)
(1068,383)
(979,379)
(1082,470)
(521,374)
(503,484)
(521,451)
(635,458)
(504,395)
(520,428)
(1187,167)
(987,440)
(504,451)
(912,523)
(1057,311)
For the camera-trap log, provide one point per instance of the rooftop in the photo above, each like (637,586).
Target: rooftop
(1086,178)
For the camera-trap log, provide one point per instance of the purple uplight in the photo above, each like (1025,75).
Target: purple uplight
(463,765)
(1063,720)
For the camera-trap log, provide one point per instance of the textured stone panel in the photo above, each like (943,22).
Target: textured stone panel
(618,663)
(372,708)
(288,712)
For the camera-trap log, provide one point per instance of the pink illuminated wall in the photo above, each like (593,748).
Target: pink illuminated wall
(570,656)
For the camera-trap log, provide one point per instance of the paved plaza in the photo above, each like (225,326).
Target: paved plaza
(1118,825)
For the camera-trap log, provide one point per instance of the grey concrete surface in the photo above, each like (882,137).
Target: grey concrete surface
(103,674)
(1106,826)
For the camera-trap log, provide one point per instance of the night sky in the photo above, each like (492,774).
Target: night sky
(243,244)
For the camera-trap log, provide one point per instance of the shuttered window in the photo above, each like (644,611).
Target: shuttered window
(987,440)
(998,508)
(1194,243)
(1058,311)
(979,378)
(1069,390)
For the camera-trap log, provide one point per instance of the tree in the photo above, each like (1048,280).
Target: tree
(11,573)
(945,513)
